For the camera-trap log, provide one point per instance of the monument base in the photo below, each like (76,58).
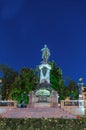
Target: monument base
(43,101)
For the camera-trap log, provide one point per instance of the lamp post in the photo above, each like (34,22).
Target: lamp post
(80,101)
(80,108)
(80,85)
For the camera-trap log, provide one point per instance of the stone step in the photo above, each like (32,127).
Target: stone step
(37,113)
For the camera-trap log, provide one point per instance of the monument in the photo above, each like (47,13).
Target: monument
(44,69)
(44,95)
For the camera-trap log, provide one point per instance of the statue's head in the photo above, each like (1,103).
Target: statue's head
(45,46)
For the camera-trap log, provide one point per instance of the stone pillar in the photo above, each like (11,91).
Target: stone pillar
(15,104)
(81,103)
(54,101)
(32,99)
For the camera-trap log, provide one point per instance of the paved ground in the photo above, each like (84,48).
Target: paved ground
(36,113)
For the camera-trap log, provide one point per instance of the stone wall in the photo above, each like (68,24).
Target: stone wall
(8,103)
(75,107)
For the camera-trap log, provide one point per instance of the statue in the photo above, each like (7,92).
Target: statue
(45,53)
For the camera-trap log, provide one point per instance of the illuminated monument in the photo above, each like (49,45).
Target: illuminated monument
(45,67)
(44,95)
(45,70)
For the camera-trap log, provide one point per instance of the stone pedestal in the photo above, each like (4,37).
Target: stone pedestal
(45,73)
(51,101)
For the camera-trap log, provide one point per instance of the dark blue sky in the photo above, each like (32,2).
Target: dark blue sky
(26,25)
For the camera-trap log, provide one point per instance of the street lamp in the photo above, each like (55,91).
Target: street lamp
(80,85)
(80,101)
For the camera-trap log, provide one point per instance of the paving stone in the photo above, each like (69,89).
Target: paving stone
(36,113)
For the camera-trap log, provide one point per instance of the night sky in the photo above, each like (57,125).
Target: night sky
(26,25)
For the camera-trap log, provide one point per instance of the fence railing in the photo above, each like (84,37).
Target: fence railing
(8,103)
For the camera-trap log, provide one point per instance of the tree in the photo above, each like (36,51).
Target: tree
(56,80)
(71,90)
(8,78)
(24,83)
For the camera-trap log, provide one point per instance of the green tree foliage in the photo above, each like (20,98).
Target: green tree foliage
(56,80)
(17,86)
(37,72)
(8,78)
(71,90)
(23,84)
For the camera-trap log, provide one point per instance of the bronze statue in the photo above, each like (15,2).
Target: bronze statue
(45,53)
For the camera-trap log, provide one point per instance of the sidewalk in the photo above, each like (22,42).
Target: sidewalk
(36,113)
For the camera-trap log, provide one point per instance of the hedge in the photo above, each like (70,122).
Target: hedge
(42,124)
